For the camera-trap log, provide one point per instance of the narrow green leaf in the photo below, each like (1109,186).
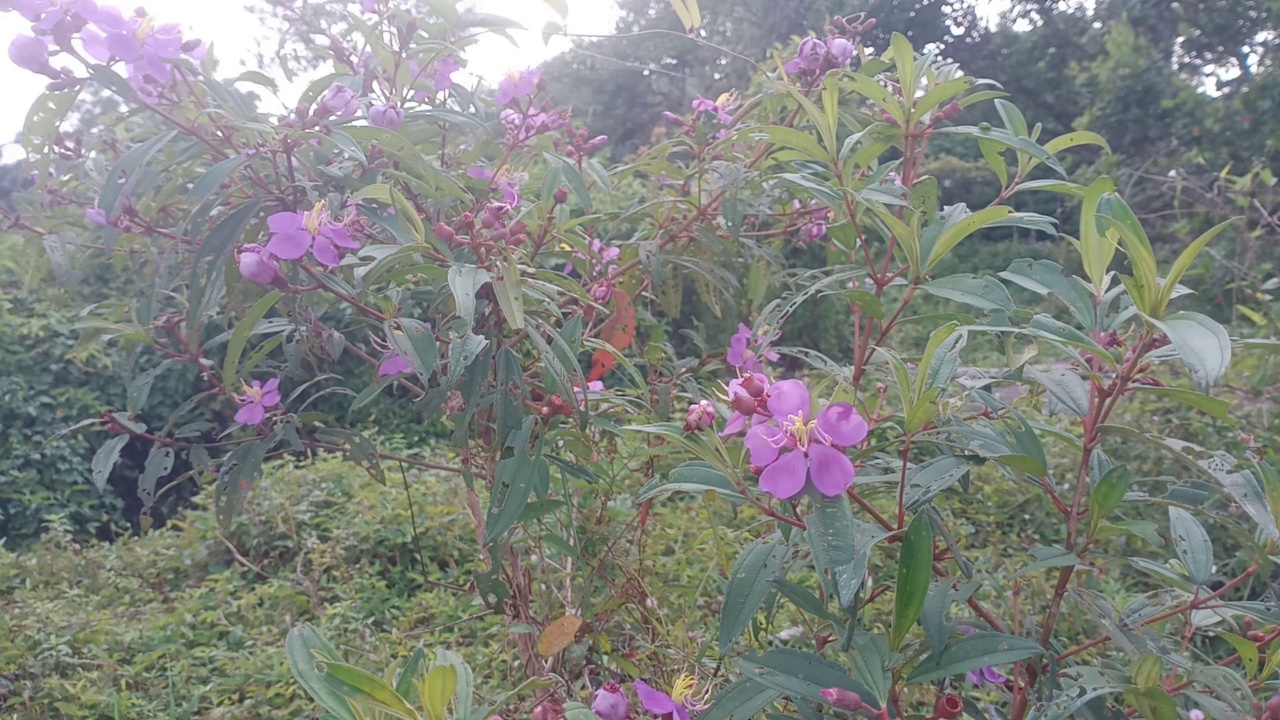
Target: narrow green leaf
(973,652)
(748,586)
(366,690)
(1246,649)
(954,234)
(1192,544)
(305,649)
(510,293)
(104,460)
(915,570)
(240,338)
(438,689)
(1107,495)
(1095,250)
(1180,266)
(1212,406)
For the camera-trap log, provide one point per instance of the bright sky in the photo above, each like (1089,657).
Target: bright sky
(222,23)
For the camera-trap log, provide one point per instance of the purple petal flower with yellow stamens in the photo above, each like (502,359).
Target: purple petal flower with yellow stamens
(256,399)
(800,447)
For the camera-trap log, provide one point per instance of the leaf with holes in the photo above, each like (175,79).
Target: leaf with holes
(1192,544)
(747,588)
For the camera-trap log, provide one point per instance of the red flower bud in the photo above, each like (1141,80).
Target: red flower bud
(561,195)
(753,386)
(1273,707)
(948,707)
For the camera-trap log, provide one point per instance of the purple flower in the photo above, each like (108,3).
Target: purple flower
(388,116)
(257,266)
(815,57)
(742,356)
(497,181)
(700,416)
(339,101)
(984,675)
(840,49)
(796,447)
(256,400)
(610,703)
(393,363)
(32,53)
(658,702)
(29,9)
(703,105)
(97,216)
(517,86)
(369,6)
(442,73)
(294,233)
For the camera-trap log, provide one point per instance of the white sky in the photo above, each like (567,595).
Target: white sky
(222,23)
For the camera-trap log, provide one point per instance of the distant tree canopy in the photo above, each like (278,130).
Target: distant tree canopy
(1194,80)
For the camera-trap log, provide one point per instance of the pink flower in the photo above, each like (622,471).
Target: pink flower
(610,703)
(497,181)
(658,702)
(797,447)
(393,363)
(369,6)
(703,105)
(984,675)
(442,73)
(339,101)
(701,415)
(32,53)
(256,400)
(294,233)
(389,116)
(517,86)
(97,216)
(814,58)
(742,356)
(257,266)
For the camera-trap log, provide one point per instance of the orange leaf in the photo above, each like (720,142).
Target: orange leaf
(620,329)
(559,634)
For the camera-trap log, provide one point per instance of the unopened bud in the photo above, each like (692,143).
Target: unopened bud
(753,385)
(948,707)
(561,195)
(444,232)
(843,699)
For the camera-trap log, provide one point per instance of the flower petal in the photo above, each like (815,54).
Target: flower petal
(842,423)
(325,252)
(251,414)
(784,478)
(290,244)
(655,701)
(736,423)
(787,398)
(830,470)
(681,713)
(284,222)
(763,442)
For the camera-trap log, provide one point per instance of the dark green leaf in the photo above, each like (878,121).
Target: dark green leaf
(915,570)
(973,652)
(747,588)
(305,649)
(1192,544)
(105,459)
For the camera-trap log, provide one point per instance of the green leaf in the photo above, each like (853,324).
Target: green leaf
(1049,557)
(833,536)
(1212,406)
(1046,277)
(515,479)
(1180,266)
(1202,344)
(405,679)
(748,586)
(1021,145)
(1116,215)
(1192,544)
(159,463)
(510,293)
(1012,118)
(1153,703)
(416,342)
(437,690)
(1107,495)
(1066,389)
(973,652)
(1076,139)
(740,700)
(573,177)
(981,292)
(104,460)
(940,93)
(465,681)
(464,282)
(1096,251)
(915,570)
(120,181)
(993,153)
(958,231)
(364,689)
(796,140)
(1049,185)
(869,656)
(561,8)
(904,57)
(305,648)
(927,481)
(801,675)
(691,477)
(1247,650)
(240,337)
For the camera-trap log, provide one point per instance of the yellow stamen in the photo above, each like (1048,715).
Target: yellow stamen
(252,393)
(683,688)
(144,27)
(797,428)
(315,217)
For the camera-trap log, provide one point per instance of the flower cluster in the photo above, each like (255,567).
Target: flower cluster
(610,702)
(816,57)
(600,266)
(147,49)
(813,221)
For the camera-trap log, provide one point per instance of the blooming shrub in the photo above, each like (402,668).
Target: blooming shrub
(469,249)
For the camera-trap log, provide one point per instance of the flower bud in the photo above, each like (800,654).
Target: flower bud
(561,195)
(844,699)
(387,116)
(444,232)
(948,707)
(31,53)
(1196,714)
(753,385)
(610,703)
(1273,707)
(701,415)
(257,266)
(869,25)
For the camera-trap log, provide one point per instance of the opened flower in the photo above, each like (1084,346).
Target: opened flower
(743,355)
(798,446)
(675,705)
(517,86)
(256,400)
(500,181)
(294,233)
(986,675)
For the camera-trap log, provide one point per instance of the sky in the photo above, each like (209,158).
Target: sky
(222,23)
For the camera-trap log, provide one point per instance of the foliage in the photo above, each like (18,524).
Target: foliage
(471,250)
